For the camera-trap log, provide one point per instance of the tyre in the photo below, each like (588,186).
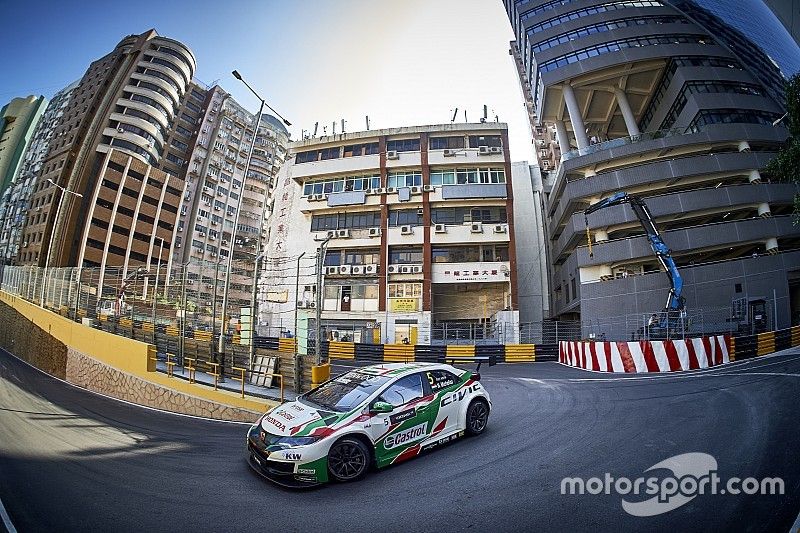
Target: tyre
(348,459)
(477,416)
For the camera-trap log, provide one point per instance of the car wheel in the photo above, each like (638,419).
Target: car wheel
(348,459)
(477,417)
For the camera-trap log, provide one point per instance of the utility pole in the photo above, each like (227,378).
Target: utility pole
(320,288)
(253,307)
(298,367)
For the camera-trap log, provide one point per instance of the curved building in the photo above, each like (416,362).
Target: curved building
(107,146)
(672,102)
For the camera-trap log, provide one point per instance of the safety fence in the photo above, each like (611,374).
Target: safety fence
(674,355)
(408,353)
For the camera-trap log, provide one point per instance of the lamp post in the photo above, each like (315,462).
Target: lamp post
(221,345)
(155,287)
(64,192)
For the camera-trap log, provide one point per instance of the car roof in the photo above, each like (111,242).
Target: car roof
(399,369)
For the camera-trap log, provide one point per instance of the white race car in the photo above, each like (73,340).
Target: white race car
(376,415)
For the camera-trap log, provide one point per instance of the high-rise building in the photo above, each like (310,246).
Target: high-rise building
(224,211)
(18,120)
(106,146)
(15,199)
(673,101)
(419,231)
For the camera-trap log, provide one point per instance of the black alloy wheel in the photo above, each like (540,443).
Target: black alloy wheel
(348,459)
(477,417)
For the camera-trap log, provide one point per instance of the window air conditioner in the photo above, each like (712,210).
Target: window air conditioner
(500,228)
(483,150)
(476,228)
(392,154)
(440,228)
(374,232)
(406,230)
(393,269)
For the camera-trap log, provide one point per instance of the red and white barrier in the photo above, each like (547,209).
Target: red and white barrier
(646,356)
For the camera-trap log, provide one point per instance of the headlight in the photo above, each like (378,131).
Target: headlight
(294,441)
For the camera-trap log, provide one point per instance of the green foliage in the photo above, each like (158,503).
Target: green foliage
(785,167)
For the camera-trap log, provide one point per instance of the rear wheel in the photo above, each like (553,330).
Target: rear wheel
(348,459)
(477,416)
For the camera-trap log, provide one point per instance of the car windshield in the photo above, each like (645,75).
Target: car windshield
(345,392)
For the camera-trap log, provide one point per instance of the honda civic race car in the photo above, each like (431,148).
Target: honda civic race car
(377,415)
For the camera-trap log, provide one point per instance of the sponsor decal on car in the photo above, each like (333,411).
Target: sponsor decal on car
(292,456)
(284,414)
(441,441)
(306,471)
(277,423)
(406,436)
(460,394)
(404,415)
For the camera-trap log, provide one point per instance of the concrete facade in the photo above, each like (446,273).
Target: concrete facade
(673,102)
(421,227)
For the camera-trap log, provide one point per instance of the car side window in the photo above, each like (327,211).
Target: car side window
(403,390)
(440,379)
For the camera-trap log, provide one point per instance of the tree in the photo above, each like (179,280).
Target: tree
(785,167)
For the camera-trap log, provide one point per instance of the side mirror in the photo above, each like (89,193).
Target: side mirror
(381,407)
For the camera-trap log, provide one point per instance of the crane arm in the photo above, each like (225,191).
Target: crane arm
(675,300)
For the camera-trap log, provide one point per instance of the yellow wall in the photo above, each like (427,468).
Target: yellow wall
(124,354)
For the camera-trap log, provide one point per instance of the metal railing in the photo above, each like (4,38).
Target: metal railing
(621,141)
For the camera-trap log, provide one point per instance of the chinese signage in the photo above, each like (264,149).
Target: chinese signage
(466,273)
(403,305)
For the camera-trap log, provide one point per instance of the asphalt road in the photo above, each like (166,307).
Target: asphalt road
(74,461)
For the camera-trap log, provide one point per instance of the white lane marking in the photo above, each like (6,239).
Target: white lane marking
(126,401)
(6,519)
(762,374)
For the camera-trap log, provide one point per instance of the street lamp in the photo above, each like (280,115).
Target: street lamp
(64,192)
(221,345)
(776,122)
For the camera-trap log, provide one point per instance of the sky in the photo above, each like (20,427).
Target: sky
(402,63)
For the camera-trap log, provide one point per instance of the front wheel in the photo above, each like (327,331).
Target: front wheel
(477,417)
(348,459)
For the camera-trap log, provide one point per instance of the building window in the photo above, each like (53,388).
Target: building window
(403,145)
(730,116)
(347,183)
(476,141)
(405,290)
(405,217)
(355,150)
(358,220)
(405,178)
(400,256)
(451,143)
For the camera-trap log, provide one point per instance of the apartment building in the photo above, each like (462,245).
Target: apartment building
(15,199)
(18,120)
(223,211)
(417,226)
(677,102)
(106,146)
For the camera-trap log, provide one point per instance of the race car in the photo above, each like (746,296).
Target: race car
(372,416)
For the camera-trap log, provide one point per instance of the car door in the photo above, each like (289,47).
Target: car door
(407,424)
(441,382)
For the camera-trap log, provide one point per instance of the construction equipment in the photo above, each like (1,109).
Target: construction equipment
(674,307)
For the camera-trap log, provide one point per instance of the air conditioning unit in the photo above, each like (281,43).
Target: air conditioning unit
(370,269)
(332,270)
(416,190)
(428,188)
(483,150)
(392,154)
(405,269)
(212,237)
(190,282)
(224,243)
(216,208)
(207,203)
(213,222)
(357,269)
(209,286)
(406,230)
(374,232)
(545,165)
(448,152)
(496,150)
(343,233)
(121,130)
(440,228)
(476,228)
(416,269)
(202,234)
(381,190)
(393,269)
(177,245)
(213,255)
(312,305)
(500,228)
(344,269)
(301,304)
(390,190)
(331,233)
(220,194)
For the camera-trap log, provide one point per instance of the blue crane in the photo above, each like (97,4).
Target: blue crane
(675,300)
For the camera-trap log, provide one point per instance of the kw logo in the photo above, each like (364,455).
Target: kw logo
(292,456)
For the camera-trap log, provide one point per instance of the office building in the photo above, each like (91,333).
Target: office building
(673,102)
(18,120)
(418,229)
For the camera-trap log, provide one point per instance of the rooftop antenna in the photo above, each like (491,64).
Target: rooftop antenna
(333,128)
(316,127)
(324,131)
(367,117)
(496,118)
(454,115)
(483,118)
(343,122)
(465,116)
